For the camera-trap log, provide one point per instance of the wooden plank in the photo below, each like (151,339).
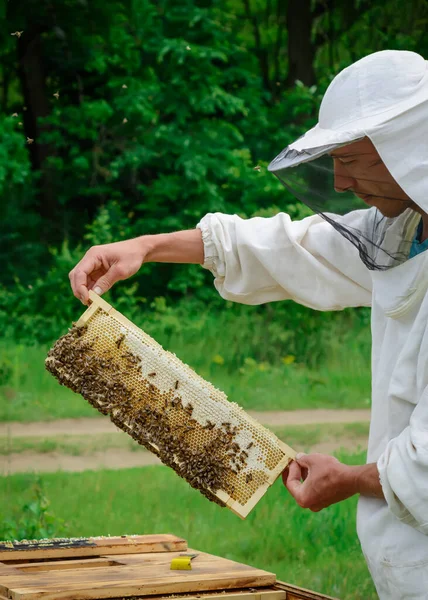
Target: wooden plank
(89,563)
(100,590)
(287,449)
(298,593)
(146,574)
(246,594)
(130,567)
(95,546)
(7,570)
(88,314)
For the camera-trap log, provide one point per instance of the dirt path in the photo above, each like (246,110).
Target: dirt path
(112,458)
(93,426)
(120,458)
(117,458)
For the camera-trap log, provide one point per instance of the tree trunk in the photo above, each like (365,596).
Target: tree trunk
(33,86)
(261,52)
(300,47)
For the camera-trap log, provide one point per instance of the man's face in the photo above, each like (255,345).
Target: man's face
(358,168)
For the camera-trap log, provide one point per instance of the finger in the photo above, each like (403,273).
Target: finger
(80,276)
(303,459)
(104,283)
(79,294)
(293,483)
(305,473)
(285,474)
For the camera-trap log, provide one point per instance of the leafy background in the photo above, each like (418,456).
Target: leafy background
(164,110)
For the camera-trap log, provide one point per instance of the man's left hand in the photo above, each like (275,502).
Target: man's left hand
(316,481)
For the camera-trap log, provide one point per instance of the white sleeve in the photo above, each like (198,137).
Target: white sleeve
(261,260)
(403,470)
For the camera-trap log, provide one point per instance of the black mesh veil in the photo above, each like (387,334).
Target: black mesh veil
(351,188)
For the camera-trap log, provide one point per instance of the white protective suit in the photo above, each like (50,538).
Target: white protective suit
(384,97)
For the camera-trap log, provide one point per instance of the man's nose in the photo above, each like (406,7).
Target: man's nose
(342,180)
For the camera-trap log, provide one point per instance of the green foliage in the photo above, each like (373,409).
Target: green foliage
(33,520)
(164,110)
(161,118)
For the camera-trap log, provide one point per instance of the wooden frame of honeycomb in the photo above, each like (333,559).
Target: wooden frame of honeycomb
(166,407)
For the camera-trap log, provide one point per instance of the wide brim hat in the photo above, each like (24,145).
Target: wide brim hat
(371,92)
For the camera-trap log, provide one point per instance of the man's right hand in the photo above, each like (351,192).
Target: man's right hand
(103,266)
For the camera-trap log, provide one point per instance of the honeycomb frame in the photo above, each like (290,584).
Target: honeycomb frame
(162,403)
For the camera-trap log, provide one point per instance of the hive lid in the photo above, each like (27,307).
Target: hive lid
(123,575)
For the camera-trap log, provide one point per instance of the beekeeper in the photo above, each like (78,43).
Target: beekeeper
(363,169)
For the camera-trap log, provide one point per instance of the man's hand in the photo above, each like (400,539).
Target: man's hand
(316,481)
(103,266)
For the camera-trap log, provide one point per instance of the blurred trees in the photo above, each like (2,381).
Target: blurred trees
(147,114)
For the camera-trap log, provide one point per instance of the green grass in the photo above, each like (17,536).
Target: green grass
(304,437)
(319,551)
(300,437)
(343,381)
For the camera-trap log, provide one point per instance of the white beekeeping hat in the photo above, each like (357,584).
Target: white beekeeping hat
(382,98)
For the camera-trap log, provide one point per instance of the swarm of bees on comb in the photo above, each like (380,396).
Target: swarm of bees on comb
(166,407)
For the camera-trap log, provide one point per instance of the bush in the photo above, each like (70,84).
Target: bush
(33,521)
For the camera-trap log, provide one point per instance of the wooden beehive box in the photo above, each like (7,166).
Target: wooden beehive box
(131,567)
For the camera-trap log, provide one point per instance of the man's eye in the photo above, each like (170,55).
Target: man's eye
(347,162)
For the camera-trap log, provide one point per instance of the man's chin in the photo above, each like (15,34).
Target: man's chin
(389,209)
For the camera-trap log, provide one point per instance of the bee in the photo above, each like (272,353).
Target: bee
(124,86)
(119,341)
(176,385)
(152,374)
(248,478)
(125,120)
(17,33)
(188,48)
(257,168)
(29,140)
(14,115)
(56,95)
(250,445)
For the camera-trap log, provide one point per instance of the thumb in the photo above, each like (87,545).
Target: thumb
(104,283)
(303,459)
(293,482)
